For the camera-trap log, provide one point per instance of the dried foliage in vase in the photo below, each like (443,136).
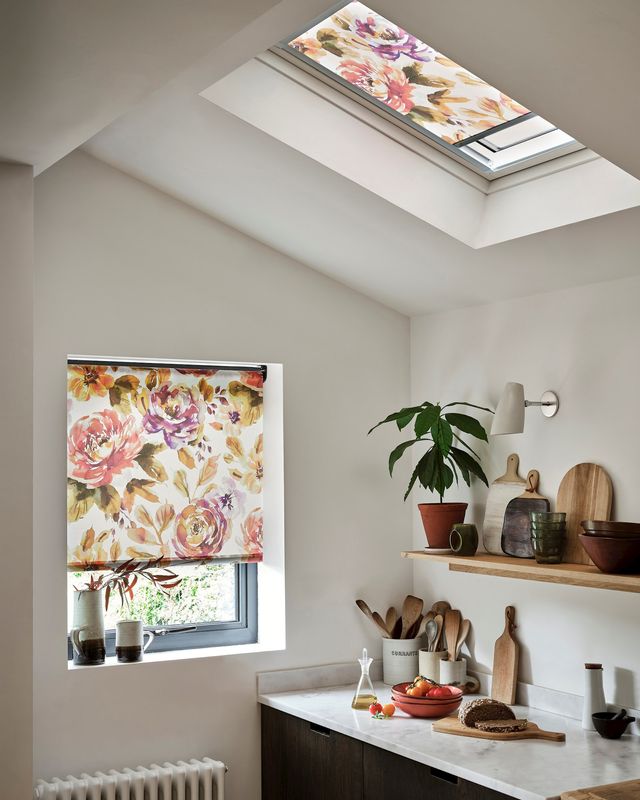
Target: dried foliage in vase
(123,579)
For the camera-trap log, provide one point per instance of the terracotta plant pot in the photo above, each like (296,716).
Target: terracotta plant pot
(438,519)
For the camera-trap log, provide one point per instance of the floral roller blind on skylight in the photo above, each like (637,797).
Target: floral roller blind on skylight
(163,462)
(378,58)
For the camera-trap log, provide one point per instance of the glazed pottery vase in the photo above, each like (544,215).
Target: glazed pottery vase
(87,634)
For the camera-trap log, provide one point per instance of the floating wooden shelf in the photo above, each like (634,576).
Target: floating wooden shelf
(529,570)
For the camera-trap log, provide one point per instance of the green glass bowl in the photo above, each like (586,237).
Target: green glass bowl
(548,550)
(548,526)
(547,516)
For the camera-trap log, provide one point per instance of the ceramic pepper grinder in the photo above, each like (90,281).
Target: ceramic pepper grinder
(594,701)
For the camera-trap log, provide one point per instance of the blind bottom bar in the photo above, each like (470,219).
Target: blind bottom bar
(175,562)
(154,364)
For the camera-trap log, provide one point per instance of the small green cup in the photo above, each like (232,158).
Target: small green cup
(463,539)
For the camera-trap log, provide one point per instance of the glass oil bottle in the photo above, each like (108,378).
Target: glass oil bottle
(364,695)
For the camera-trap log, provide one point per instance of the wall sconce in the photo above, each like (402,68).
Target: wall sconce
(509,416)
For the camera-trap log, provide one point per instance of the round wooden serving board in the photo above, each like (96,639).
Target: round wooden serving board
(454,726)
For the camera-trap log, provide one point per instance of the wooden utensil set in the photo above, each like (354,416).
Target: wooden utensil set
(585,493)
(445,627)
(408,625)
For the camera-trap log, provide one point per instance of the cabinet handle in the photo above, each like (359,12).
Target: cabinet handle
(319,729)
(443,776)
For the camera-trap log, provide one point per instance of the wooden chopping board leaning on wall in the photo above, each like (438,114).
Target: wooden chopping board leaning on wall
(501,492)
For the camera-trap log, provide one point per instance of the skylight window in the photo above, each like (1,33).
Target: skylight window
(367,54)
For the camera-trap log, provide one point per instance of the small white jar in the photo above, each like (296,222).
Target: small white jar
(429,663)
(453,673)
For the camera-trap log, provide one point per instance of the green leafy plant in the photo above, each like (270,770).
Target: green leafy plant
(444,461)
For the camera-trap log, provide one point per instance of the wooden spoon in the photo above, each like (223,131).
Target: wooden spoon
(439,621)
(391,619)
(432,634)
(411,610)
(381,624)
(441,607)
(465,627)
(417,629)
(452,621)
(368,613)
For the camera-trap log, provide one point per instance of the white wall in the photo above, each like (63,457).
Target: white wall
(16,356)
(583,344)
(124,269)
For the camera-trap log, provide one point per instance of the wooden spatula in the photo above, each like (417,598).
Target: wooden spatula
(452,622)
(379,623)
(390,619)
(506,655)
(411,610)
(441,607)
(465,627)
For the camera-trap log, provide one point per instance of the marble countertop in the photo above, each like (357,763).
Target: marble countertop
(527,770)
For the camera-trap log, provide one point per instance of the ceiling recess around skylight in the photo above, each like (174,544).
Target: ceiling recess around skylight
(421,88)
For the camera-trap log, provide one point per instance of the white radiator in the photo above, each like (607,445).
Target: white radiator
(195,780)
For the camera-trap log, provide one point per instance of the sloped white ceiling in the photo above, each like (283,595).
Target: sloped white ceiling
(68,68)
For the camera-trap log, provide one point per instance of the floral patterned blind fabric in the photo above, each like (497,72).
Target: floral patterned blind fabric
(163,463)
(405,74)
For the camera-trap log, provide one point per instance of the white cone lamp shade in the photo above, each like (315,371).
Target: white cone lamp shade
(509,416)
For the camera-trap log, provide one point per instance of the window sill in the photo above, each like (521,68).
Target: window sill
(184,655)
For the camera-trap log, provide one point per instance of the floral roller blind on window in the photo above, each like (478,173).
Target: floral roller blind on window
(163,462)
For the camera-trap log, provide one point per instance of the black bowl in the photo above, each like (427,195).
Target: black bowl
(608,727)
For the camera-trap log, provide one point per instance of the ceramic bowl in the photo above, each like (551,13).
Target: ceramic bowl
(617,556)
(399,691)
(612,530)
(427,710)
(608,525)
(608,727)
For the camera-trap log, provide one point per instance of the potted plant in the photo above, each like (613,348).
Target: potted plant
(447,457)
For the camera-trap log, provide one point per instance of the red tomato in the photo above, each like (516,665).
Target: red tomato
(439,691)
(375,708)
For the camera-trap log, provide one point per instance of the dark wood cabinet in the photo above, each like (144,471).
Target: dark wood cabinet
(304,761)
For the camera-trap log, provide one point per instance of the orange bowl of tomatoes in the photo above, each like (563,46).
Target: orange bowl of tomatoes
(425,698)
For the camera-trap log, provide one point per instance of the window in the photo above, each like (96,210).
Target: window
(164,502)
(215,605)
(365,54)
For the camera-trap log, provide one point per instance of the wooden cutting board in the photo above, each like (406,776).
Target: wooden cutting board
(516,529)
(501,492)
(629,790)
(454,726)
(506,655)
(585,492)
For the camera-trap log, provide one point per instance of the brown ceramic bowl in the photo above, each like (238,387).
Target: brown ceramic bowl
(613,530)
(618,556)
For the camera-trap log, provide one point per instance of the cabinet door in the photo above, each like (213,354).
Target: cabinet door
(387,775)
(309,762)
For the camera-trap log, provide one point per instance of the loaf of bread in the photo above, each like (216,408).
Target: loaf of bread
(483,710)
(502,725)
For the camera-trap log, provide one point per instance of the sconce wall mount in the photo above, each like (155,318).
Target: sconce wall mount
(509,416)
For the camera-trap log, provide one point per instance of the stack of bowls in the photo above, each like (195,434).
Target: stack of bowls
(612,546)
(548,536)
(429,707)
